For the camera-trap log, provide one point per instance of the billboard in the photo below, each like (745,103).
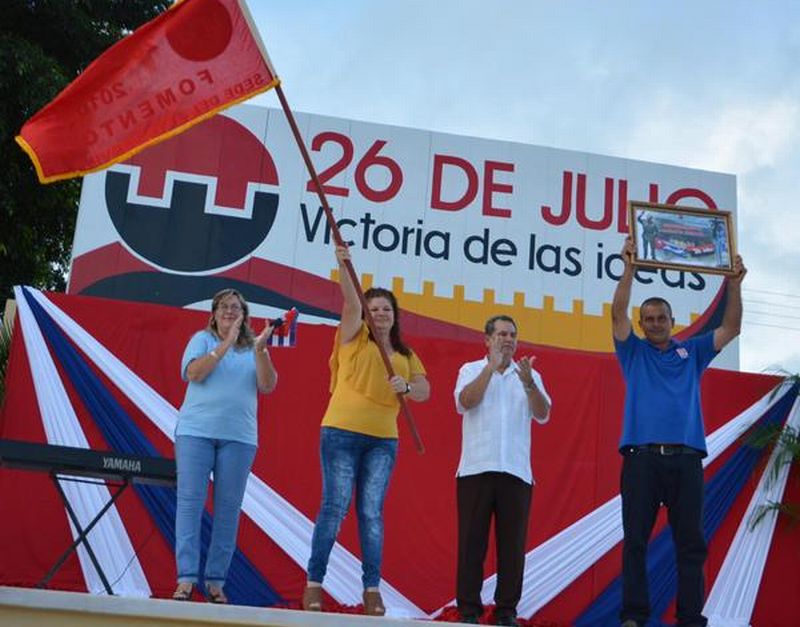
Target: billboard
(459,227)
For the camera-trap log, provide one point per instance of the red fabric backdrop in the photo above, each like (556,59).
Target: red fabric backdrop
(575,462)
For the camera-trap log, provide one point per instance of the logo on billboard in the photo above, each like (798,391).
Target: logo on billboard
(202,200)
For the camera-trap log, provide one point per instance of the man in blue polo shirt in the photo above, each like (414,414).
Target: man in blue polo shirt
(663,440)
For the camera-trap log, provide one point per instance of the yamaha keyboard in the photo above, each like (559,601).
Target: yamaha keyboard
(83,462)
(68,463)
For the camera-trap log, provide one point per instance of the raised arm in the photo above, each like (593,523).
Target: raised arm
(732,318)
(351,307)
(620,321)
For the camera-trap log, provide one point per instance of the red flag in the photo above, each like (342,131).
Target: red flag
(196,58)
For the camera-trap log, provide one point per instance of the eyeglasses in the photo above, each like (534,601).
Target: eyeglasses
(231,308)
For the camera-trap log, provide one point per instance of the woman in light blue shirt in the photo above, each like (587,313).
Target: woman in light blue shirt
(226,366)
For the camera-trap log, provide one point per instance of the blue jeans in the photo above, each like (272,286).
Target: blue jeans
(195,458)
(349,460)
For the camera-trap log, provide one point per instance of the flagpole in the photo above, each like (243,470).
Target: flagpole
(337,236)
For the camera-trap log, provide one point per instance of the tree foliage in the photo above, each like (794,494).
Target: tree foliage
(44,44)
(5,348)
(786,442)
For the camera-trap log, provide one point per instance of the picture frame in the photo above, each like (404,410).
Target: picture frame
(682,238)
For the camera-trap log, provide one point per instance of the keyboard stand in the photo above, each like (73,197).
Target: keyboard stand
(82,533)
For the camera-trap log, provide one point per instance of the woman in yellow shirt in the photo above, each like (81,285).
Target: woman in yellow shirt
(358,439)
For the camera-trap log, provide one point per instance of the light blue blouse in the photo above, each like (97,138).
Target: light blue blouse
(224,405)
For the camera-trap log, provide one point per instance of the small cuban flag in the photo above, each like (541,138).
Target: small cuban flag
(285,333)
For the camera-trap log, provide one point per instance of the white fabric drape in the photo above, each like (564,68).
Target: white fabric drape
(733,597)
(274,515)
(109,539)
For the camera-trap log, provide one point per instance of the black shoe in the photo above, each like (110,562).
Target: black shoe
(470,620)
(506,620)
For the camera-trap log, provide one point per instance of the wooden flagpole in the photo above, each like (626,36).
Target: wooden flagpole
(337,236)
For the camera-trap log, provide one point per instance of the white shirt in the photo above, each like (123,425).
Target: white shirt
(496,433)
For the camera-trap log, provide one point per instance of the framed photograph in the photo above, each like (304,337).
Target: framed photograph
(682,238)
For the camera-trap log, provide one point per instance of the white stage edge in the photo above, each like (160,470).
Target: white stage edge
(26,607)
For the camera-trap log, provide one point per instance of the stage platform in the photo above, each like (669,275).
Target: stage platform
(26,607)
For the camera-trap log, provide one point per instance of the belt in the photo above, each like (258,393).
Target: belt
(661,449)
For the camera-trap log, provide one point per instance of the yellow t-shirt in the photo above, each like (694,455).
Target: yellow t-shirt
(361,398)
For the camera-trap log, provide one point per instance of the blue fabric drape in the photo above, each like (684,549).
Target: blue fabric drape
(245,585)
(720,492)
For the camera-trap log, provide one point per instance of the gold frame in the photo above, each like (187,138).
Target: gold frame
(685,238)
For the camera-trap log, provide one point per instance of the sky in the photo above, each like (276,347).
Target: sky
(704,84)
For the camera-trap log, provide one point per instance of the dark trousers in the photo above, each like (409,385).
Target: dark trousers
(649,479)
(508,499)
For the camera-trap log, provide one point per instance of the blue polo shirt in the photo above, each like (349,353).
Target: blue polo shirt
(222,406)
(662,398)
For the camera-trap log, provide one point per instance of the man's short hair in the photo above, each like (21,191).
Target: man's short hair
(656,300)
(488,328)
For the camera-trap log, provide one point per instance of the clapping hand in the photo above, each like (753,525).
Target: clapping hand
(495,356)
(233,331)
(525,370)
(263,337)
